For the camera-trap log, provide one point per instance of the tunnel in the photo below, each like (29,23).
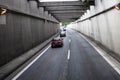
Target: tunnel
(91,49)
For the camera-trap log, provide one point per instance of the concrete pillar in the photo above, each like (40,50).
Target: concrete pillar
(46,14)
(41,11)
(34,8)
(24,6)
(92,24)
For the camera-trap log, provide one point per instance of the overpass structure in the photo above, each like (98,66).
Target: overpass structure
(27,26)
(65,11)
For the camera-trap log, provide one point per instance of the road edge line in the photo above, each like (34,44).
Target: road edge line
(23,70)
(112,62)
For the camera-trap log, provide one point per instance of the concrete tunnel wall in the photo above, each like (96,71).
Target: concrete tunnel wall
(104,28)
(23,28)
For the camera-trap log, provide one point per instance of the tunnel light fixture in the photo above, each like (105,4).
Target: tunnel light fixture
(117,7)
(3,11)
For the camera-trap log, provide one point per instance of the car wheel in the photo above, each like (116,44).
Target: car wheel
(62,45)
(52,46)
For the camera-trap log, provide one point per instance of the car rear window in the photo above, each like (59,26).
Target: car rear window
(56,39)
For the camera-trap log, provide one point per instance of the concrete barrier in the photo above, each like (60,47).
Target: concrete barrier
(23,29)
(103,27)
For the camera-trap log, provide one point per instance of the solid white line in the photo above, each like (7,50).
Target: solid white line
(68,55)
(108,60)
(21,72)
(114,63)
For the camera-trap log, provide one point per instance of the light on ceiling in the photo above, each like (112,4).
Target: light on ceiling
(3,11)
(117,7)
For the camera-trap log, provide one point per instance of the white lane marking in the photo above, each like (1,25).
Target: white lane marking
(21,72)
(69,40)
(68,55)
(108,60)
(114,63)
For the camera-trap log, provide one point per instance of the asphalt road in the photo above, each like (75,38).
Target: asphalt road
(76,60)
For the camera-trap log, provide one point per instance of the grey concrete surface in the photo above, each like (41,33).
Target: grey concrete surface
(73,11)
(10,67)
(84,63)
(21,32)
(63,8)
(70,3)
(25,6)
(103,28)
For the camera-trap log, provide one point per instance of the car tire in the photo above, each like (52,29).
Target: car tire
(61,45)
(52,46)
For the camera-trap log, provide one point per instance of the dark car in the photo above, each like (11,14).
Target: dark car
(62,34)
(64,29)
(57,42)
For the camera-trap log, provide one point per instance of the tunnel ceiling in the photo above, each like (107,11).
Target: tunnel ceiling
(65,11)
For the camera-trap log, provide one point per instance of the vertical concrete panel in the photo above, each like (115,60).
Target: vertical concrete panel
(34,10)
(88,22)
(24,6)
(16,4)
(7,3)
(94,23)
(103,29)
(45,29)
(6,40)
(91,21)
(113,20)
(109,34)
(110,3)
(95,29)
(34,31)
(26,33)
(41,30)
(51,26)
(99,6)
(48,28)
(98,34)
(17,34)
(41,11)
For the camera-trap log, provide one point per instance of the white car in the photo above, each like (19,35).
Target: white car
(62,34)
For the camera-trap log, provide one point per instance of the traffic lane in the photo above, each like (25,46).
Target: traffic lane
(86,64)
(49,66)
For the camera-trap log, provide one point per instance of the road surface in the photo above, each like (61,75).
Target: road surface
(76,60)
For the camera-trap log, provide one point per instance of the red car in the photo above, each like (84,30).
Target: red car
(57,42)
